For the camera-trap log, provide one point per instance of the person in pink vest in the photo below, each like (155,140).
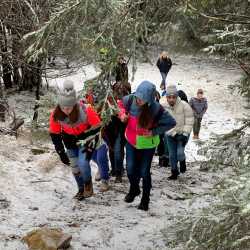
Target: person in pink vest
(146,120)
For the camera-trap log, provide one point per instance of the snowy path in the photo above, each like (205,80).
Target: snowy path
(39,189)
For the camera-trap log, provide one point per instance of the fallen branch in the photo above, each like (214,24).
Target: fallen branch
(216,18)
(235,132)
(7,131)
(38,181)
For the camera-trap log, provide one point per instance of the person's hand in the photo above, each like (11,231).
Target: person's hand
(64,158)
(89,152)
(89,147)
(124,118)
(148,133)
(183,138)
(144,132)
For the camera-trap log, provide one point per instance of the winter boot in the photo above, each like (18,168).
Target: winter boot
(183,166)
(118,179)
(88,189)
(133,192)
(160,161)
(174,175)
(112,173)
(104,186)
(79,195)
(144,202)
(163,161)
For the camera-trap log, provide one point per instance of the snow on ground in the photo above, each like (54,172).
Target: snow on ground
(37,190)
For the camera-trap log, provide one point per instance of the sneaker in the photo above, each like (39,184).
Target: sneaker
(104,186)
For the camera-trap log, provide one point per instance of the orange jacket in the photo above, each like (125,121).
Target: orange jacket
(87,118)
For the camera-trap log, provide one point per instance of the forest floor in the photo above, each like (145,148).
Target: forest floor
(36,189)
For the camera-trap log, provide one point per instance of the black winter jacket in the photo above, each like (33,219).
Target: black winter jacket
(164,65)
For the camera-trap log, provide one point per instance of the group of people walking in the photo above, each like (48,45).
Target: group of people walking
(145,124)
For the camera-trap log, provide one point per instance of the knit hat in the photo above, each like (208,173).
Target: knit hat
(171,90)
(67,95)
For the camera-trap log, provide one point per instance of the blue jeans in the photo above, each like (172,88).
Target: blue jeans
(138,166)
(163,76)
(100,157)
(80,166)
(176,149)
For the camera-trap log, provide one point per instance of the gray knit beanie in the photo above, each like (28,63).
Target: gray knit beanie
(67,95)
(171,90)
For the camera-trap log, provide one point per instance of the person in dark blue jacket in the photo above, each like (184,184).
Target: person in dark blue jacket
(164,64)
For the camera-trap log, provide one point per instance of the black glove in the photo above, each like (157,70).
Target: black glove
(89,147)
(64,158)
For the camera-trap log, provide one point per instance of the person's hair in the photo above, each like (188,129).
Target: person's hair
(59,115)
(200,91)
(145,117)
(163,55)
(120,58)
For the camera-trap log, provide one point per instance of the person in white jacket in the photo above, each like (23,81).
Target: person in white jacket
(177,138)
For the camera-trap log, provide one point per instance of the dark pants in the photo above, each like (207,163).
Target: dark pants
(176,149)
(197,125)
(116,155)
(162,149)
(138,166)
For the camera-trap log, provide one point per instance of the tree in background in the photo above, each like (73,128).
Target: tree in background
(98,31)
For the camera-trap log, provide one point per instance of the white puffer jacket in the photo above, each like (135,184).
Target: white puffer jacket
(183,115)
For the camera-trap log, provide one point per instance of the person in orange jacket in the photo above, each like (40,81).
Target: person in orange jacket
(71,121)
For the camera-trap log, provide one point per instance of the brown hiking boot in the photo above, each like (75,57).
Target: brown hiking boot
(79,195)
(88,189)
(104,186)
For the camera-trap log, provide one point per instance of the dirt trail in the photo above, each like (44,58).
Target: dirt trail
(36,190)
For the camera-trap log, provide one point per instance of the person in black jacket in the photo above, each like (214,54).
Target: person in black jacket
(164,64)
(121,70)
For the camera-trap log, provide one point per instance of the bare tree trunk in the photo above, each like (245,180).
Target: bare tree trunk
(17,53)
(38,82)
(2,107)
(7,71)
